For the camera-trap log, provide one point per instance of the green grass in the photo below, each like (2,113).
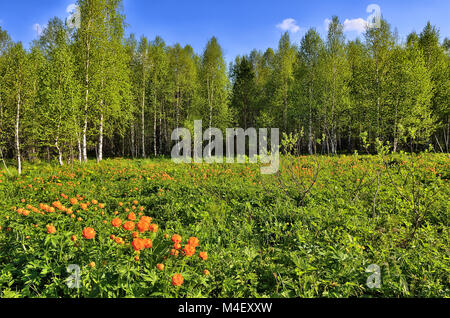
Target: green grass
(310,231)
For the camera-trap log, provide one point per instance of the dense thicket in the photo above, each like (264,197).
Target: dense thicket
(92,92)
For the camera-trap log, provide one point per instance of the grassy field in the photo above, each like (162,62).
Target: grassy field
(310,231)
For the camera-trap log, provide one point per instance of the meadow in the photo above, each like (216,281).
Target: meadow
(153,228)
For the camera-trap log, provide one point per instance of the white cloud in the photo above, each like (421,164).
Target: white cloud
(38,29)
(289,25)
(359,25)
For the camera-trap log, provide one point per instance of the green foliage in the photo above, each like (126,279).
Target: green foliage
(310,231)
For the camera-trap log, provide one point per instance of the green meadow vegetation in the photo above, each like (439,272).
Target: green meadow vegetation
(311,230)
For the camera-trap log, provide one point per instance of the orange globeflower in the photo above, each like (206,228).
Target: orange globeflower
(177,280)
(132,216)
(119,240)
(88,233)
(193,241)
(148,243)
(176,238)
(160,267)
(153,228)
(203,255)
(129,226)
(51,229)
(189,250)
(138,244)
(142,226)
(116,222)
(146,219)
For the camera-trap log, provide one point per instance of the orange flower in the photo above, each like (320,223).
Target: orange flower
(146,219)
(148,243)
(138,244)
(143,226)
(160,267)
(206,272)
(153,228)
(88,233)
(101,205)
(177,280)
(135,235)
(132,216)
(94,202)
(112,237)
(51,229)
(174,252)
(129,226)
(120,203)
(119,240)
(177,246)
(189,250)
(135,202)
(193,241)
(116,222)
(92,264)
(176,238)
(73,201)
(74,238)
(83,206)
(203,255)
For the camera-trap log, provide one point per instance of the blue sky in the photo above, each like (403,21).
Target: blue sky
(240,25)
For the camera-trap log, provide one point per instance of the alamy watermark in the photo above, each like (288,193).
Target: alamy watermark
(235,146)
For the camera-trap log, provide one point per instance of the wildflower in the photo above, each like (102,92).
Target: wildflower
(176,238)
(135,234)
(189,250)
(153,228)
(112,236)
(143,226)
(203,255)
(177,280)
(129,226)
(117,222)
(74,238)
(206,272)
(88,233)
(193,241)
(101,205)
(174,252)
(92,264)
(177,246)
(136,258)
(148,243)
(138,244)
(94,202)
(119,240)
(160,267)
(73,201)
(146,219)
(51,229)
(132,216)
(135,202)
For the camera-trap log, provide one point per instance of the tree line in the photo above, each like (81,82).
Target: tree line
(93,91)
